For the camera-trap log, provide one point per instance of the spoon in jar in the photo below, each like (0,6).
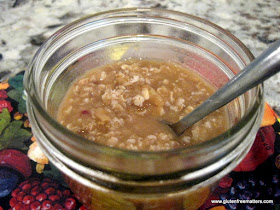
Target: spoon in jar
(264,66)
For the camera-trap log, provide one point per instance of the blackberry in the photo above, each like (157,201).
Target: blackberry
(42,194)
(249,186)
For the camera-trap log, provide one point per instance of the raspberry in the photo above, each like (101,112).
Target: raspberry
(35,190)
(36,205)
(41,197)
(70,203)
(42,194)
(47,204)
(26,187)
(50,191)
(15,192)
(66,193)
(20,196)
(13,202)
(28,199)
(54,198)
(58,207)
(25,207)
(18,206)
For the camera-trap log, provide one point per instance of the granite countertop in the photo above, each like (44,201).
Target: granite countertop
(25,24)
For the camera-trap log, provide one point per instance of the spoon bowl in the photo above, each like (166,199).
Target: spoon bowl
(264,66)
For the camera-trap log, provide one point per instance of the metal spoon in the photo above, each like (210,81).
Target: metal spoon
(264,66)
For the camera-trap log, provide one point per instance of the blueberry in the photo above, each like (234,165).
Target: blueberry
(224,196)
(241,184)
(252,181)
(232,191)
(257,194)
(250,207)
(246,195)
(8,181)
(269,191)
(277,193)
(262,183)
(232,206)
(275,179)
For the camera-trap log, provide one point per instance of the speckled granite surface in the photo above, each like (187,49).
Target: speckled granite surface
(24,24)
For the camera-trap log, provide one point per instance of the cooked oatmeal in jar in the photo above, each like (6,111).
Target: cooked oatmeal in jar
(122,105)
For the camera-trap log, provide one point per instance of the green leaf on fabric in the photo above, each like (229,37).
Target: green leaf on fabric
(15,95)
(14,136)
(22,106)
(53,173)
(5,119)
(16,82)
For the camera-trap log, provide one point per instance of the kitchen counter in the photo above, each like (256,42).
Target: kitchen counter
(25,24)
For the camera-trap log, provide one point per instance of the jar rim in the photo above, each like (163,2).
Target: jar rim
(209,145)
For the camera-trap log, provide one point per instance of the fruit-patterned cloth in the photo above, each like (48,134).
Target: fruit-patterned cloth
(26,183)
(29,181)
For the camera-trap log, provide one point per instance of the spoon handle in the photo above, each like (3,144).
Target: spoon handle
(263,67)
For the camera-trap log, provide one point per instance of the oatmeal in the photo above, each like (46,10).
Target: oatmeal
(122,105)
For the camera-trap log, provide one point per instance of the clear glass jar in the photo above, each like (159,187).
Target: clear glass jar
(111,178)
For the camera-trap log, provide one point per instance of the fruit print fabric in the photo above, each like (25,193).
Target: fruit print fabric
(34,183)
(21,186)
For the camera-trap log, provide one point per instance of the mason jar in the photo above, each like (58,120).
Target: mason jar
(105,177)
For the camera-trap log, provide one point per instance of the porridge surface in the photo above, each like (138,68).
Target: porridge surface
(122,104)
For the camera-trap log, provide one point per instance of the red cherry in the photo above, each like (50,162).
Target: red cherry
(13,202)
(35,205)
(1,208)
(41,196)
(47,204)
(70,203)
(35,190)
(28,199)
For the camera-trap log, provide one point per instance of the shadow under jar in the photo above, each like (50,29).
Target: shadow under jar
(111,178)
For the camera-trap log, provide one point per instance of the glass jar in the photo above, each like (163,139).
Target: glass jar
(111,178)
